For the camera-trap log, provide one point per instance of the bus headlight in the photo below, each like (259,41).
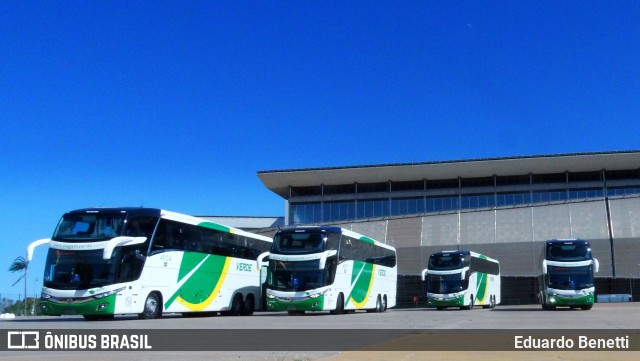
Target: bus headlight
(269,295)
(109,293)
(45,296)
(315,294)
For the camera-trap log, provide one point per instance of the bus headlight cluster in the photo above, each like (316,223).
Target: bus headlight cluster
(315,295)
(45,296)
(109,293)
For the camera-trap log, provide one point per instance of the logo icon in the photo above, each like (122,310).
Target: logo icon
(23,340)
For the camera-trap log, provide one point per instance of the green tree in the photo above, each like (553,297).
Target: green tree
(21,264)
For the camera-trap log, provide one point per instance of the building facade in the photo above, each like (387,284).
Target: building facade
(502,207)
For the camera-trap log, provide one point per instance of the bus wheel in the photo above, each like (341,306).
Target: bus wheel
(586,307)
(236,305)
(384,303)
(152,307)
(470,305)
(339,305)
(493,301)
(378,304)
(248,306)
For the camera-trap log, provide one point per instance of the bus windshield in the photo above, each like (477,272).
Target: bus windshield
(445,262)
(72,270)
(568,252)
(570,278)
(296,275)
(298,243)
(445,283)
(83,227)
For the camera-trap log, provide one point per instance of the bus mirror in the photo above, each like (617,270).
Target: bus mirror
(323,259)
(120,241)
(261,259)
(544,267)
(424,274)
(32,246)
(596,265)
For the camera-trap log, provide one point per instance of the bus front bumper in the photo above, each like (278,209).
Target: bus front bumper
(78,306)
(295,304)
(563,301)
(445,302)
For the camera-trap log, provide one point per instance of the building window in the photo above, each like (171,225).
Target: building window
(441,204)
(549,196)
(302,213)
(373,208)
(477,201)
(407,186)
(512,199)
(477,182)
(306,191)
(402,206)
(513,180)
(549,178)
(586,193)
(622,191)
(339,189)
(338,211)
(443,183)
(373,187)
(621,174)
(585,177)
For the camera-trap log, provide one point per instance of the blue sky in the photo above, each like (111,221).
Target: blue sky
(177,105)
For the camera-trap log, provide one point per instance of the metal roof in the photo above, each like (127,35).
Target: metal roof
(278,181)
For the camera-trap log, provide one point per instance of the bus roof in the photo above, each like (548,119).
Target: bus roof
(567,241)
(334,229)
(465,252)
(179,217)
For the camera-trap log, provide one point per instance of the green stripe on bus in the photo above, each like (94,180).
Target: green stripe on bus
(482,286)
(364,273)
(215,226)
(367,240)
(203,281)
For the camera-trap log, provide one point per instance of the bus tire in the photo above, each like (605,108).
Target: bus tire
(152,307)
(493,302)
(586,307)
(384,303)
(470,306)
(379,304)
(339,305)
(248,306)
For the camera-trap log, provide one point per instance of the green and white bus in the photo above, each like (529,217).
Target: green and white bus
(145,261)
(462,279)
(567,274)
(330,269)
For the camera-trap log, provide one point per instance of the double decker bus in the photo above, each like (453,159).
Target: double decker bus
(461,279)
(145,261)
(567,274)
(330,269)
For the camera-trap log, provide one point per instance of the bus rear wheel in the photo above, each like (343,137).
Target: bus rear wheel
(339,305)
(248,306)
(152,307)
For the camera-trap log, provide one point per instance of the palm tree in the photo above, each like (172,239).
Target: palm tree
(21,264)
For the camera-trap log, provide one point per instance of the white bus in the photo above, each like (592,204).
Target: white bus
(461,279)
(566,278)
(107,261)
(330,269)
